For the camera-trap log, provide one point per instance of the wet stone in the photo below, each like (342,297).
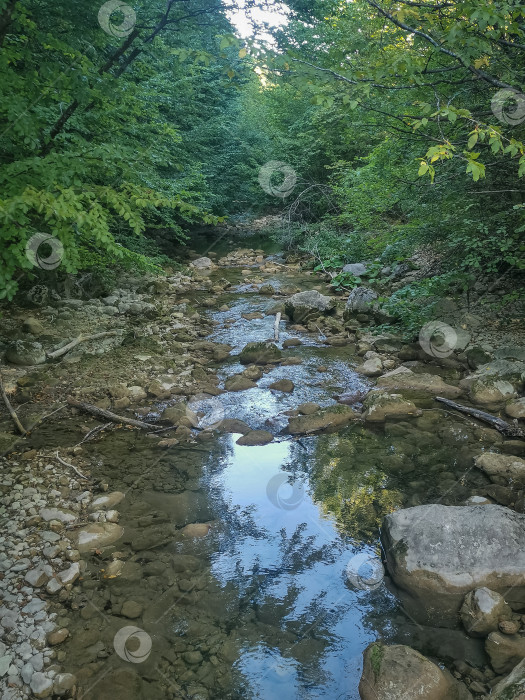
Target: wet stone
(132,609)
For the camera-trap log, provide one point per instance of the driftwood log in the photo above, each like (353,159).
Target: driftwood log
(502,426)
(108,415)
(81,339)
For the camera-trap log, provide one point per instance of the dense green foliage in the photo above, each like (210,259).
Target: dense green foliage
(404,123)
(104,136)
(404,88)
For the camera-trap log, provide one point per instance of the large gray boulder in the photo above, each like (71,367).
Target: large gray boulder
(304,306)
(203,263)
(360,301)
(400,673)
(437,554)
(495,382)
(356,269)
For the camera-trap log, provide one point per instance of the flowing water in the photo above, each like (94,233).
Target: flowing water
(280,599)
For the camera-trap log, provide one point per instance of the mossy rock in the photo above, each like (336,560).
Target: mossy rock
(260,354)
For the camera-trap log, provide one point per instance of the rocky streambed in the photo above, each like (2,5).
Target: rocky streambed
(297,503)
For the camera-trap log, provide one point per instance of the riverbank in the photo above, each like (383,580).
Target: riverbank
(176,534)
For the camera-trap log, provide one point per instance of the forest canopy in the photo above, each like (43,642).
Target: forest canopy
(130,123)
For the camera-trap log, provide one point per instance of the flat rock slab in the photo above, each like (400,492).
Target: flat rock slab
(436,554)
(403,380)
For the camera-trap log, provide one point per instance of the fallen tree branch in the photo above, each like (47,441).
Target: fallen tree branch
(276,325)
(497,423)
(81,339)
(93,432)
(66,464)
(112,417)
(11,410)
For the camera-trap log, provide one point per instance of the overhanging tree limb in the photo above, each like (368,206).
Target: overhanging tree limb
(442,49)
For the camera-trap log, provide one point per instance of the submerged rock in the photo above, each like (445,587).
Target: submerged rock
(107,501)
(323,420)
(98,535)
(196,529)
(379,406)
(400,673)
(303,306)
(437,554)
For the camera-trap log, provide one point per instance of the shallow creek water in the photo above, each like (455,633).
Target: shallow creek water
(262,606)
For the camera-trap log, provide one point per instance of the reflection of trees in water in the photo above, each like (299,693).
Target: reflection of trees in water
(270,610)
(279,607)
(348,482)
